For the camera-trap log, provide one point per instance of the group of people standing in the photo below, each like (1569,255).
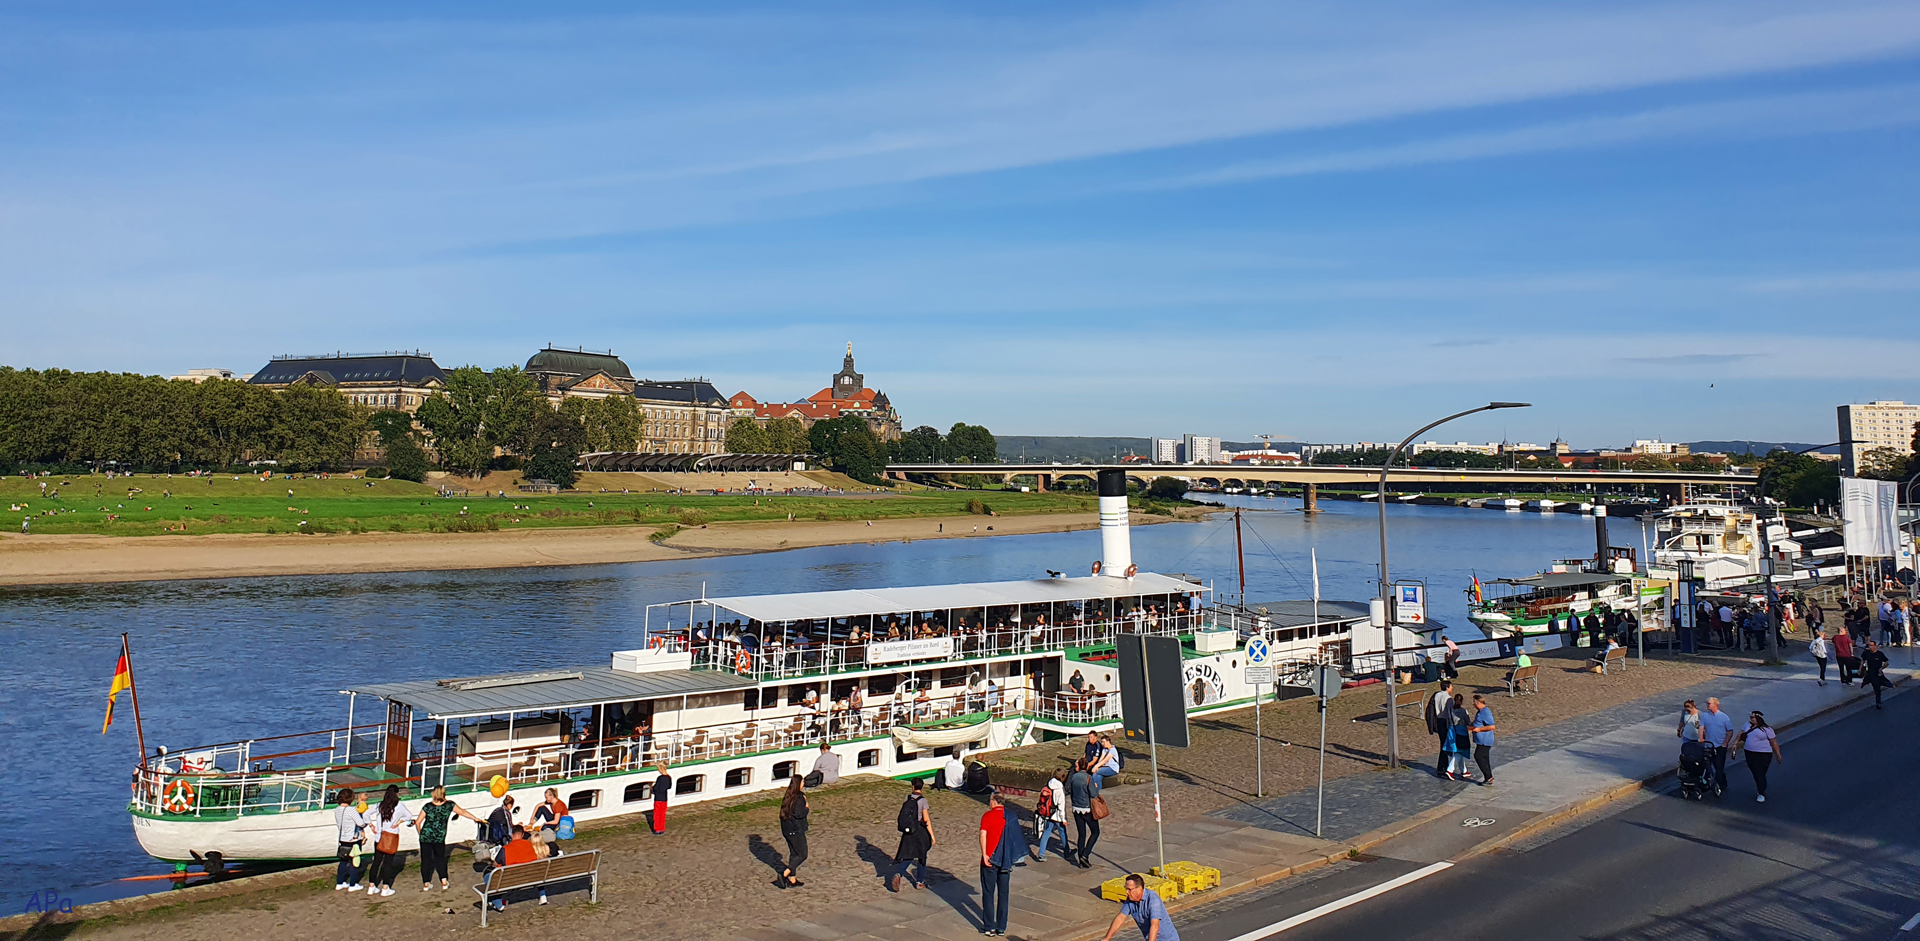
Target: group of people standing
(374,831)
(1464,728)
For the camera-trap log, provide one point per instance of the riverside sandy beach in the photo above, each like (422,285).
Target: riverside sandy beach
(88,559)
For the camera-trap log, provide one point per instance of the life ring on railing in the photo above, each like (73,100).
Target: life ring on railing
(179,797)
(743,664)
(656,643)
(1132,570)
(1096,566)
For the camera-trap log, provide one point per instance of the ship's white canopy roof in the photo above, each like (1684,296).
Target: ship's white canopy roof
(805,605)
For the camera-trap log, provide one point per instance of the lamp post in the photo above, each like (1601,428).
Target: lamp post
(1386,580)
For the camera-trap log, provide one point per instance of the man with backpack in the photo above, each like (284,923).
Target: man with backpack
(1051,812)
(1002,844)
(916,838)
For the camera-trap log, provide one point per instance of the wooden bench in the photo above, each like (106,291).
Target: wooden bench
(540,874)
(1410,697)
(1524,680)
(1616,655)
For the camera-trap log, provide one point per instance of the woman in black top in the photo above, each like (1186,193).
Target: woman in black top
(793,826)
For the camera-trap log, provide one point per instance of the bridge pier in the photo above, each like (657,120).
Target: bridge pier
(1040,482)
(1309,498)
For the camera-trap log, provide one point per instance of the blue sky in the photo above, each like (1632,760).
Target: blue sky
(1323,221)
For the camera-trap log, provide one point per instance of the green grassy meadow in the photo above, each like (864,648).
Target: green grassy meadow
(152,505)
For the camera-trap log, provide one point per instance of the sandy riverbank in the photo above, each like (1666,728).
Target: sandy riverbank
(60,560)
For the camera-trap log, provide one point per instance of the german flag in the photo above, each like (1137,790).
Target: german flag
(122,679)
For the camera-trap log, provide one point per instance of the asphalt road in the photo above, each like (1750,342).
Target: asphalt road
(1833,854)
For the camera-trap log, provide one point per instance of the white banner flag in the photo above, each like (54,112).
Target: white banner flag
(1316,573)
(1867,509)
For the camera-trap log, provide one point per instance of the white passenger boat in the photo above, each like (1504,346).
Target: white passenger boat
(733,695)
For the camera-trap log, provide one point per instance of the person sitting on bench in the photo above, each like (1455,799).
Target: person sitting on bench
(1599,662)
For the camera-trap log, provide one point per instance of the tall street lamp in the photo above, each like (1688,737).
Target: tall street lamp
(1386,580)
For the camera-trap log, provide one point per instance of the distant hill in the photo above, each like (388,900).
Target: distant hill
(1750,447)
(1066,448)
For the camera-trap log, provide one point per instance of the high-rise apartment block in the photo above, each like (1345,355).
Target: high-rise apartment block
(1200,449)
(1166,450)
(1877,424)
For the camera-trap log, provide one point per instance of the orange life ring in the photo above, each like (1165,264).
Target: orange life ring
(1096,566)
(656,643)
(743,664)
(179,797)
(1133,570)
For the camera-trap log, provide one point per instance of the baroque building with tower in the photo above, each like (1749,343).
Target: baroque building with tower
(846,394)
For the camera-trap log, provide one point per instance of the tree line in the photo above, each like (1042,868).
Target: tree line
(849,445)
(58,419)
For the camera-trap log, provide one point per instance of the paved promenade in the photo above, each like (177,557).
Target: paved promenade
(1541,775)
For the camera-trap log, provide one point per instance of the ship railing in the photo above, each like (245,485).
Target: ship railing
(1093,707)
(264,775)
(829,722)
(811,658)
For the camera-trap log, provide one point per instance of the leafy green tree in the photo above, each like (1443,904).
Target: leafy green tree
(1799,479)
(1167,488)
(1884,464)
(313,429)
(788,436)
(230,419)
(555,441)
(745,436)
(456,418)
(513,405)
(849,446)
(970,444)
(922,445)
(406,460)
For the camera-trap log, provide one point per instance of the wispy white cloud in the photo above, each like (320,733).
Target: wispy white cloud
(1900,279)
(1745,118)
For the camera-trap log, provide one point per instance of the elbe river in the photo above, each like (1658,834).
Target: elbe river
(231,659)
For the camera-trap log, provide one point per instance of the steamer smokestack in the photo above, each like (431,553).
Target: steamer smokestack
(1116,539)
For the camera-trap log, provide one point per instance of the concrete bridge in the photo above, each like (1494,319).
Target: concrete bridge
(1672,485)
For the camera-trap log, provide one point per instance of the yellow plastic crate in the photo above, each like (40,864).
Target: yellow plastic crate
(1115,889)
(1189,876)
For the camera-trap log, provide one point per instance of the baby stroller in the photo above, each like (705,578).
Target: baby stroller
(1696,774)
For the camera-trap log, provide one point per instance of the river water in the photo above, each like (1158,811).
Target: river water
(225,660)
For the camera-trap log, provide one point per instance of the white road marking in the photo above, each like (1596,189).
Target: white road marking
(1354,899)
(1911,923)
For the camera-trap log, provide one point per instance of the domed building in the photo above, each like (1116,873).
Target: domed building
(560,373)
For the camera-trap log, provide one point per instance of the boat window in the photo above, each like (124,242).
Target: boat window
(739,777)
(868,758)
(783,770)
(751,699)
(583,800)
(636,793)
(690,784)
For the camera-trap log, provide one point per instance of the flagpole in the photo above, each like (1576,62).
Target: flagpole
(139,730)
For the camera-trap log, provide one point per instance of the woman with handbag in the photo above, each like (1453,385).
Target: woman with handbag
(387,821)
(351,826)
(793,827)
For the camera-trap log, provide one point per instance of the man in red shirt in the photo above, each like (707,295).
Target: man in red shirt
(1843,651)
(1002,845)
